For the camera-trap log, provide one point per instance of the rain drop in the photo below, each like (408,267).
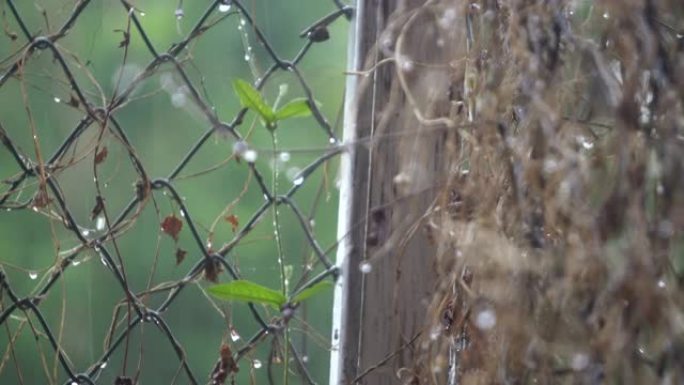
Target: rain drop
(57,100)
(178,99)
(293,172)
(298,181)
(586,144)
(332,141)
(606,15)
(661,284)
(447,19)
(406,64)
(234,336)
(250,156)
(142,14)
(223,7)
(103,365)
(366,267)
(100,223)
(256,364)
(579,362)
(305,359)
(179,13)
(485,319)
(284,157)
(240,147)
(75,263)
(243,22)
(33,274)
(247,57)
(435,332)
(85,233)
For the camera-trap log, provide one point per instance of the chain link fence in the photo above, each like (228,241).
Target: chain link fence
(112,182)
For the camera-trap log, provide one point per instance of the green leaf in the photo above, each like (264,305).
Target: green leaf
(313,290)
(295,108)
(251,98)
(247,291)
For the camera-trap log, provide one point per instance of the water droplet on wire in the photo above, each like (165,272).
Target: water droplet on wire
(33,274)
(284,157)
(240,147)
(234,336)
(224,7)
(100,223)
(256,364)
(57,100)
(179,13)
(250,156)
(298,181)
(366,267)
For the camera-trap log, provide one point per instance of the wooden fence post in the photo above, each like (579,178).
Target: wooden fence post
(385,256)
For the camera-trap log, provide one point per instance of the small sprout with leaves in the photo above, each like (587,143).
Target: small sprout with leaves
(247,291)
(311,291)
(251,98)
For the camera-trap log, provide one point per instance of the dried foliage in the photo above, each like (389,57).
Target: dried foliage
(559,222)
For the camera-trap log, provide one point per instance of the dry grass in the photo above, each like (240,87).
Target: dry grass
(560,219)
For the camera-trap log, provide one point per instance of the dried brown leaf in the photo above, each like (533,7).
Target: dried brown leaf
(180,256)
(101,155)
(172,226)
(234,222)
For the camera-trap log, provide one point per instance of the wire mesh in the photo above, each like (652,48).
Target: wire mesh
(39,186)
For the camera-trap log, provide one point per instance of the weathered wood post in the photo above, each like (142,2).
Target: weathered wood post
(390,179)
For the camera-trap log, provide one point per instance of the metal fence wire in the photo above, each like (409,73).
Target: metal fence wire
(34,189)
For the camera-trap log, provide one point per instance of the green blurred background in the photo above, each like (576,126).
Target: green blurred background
(162,124)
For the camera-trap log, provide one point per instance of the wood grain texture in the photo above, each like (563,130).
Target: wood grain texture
(396,180)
